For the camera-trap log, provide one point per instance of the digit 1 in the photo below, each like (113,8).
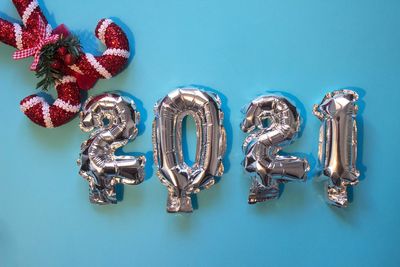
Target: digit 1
(338,143)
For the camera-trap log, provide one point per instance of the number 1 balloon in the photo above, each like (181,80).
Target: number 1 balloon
(182,180)
(112,121)
(264,142)
(338,143)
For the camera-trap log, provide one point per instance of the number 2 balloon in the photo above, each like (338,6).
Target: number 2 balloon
(264,142)
(338,143)
(112,121)
(182,180)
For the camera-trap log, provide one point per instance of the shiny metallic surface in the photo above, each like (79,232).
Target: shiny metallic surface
(113,121)
(338,143)
(182,180)
(263,143)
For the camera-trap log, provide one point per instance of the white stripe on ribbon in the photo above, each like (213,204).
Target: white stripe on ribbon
(46,115)
(18,36)
(67,106)
(102,30)
(76,69)
(28,11)
(45,109)
(30,103)
(66,79)
(117,52)
(97,66)
(49,30)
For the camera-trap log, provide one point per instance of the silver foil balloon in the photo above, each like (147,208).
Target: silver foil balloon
(112,121)
(264,142)
(182,180)
(338,143)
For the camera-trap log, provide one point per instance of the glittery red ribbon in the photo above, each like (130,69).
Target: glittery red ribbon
(44,39)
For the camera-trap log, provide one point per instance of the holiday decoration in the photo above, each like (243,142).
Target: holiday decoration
(60,61)
(338,143)
(182,180)
(112,121)
(264,143)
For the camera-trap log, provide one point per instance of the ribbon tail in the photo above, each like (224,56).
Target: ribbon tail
(35,62)
(21,54)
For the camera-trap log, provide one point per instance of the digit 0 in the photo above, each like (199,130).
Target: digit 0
(182,180)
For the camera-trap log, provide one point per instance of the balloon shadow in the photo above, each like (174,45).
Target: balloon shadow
(360,139)
(360,128)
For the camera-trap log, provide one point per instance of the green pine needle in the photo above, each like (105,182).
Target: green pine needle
(48,54)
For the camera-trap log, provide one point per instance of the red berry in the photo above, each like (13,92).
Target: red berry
(62,51)
(69,59)
(56,64)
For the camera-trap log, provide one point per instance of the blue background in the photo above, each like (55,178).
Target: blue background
(241,49)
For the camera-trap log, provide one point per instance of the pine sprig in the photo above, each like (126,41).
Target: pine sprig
(49,54)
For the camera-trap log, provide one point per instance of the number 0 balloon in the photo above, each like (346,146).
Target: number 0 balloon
(182,180)
(112,121)
(338,143)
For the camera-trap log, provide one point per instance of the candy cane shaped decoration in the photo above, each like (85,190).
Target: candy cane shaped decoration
(264,143)
(112,121)
(338,143)
(69,68)
(182,180)
(61,111)
(88,68)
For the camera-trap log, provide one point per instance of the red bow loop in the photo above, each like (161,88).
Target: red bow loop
(45,38)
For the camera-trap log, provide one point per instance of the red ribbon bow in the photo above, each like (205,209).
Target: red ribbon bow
(45,38)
